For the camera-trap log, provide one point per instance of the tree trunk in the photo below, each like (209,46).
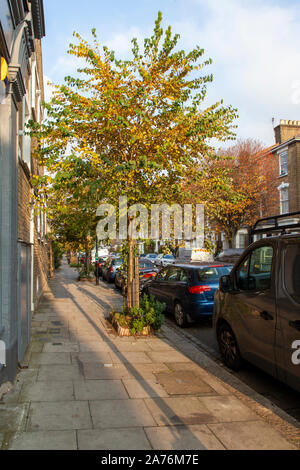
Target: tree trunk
(130,275)
(136,282)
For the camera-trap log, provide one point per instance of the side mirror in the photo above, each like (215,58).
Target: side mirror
(225,284)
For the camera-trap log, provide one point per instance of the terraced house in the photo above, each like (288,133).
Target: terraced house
(287,152)
(23,246)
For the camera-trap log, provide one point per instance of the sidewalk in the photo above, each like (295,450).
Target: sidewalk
(87,389)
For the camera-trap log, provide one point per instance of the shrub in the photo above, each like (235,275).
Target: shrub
(150,313)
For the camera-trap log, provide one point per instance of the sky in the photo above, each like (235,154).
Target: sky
(254,45)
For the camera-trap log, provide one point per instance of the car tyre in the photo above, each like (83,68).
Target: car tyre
(229,348)
(180,316)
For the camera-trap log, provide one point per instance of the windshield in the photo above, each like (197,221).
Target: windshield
(169,257)
(212,274)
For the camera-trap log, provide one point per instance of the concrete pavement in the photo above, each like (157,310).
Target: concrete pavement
(87,389)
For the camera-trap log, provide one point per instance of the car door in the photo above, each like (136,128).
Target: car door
(288,304)
(253,307)
(171,286)
(157,287)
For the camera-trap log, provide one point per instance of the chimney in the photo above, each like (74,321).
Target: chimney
(286,130)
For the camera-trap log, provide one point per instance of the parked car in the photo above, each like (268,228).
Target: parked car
(187,290)
(101,264)
(257,306)
(164,260)
(151,257)
(110,268)
(147,271)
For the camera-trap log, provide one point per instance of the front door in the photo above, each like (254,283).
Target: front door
(24,299)
(253,308)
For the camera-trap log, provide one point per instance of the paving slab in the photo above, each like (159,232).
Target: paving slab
(228,409)
(46,440)
(96,357)
(144,389)
(59,416)
(120,414)
(90,346)
(100,390)
(158,345)
(179,411)
(63,347)
(101,372)
(113,439)
(60,373)
(131,357)
(162,357)
(47,391)
(13,417)
(211,380)
(183,438)
(251,435)
(184,383)
(49,358)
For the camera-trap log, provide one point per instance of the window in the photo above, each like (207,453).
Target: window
(212,274)
(173,274)
(183,276)
(292,271)
(242,275)
(283,163)
(162,275)
(261,269)
(243,238)
(284,201)
(254,274)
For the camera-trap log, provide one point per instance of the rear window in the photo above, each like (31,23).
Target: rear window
(117,262)
(212,274)
(292,271)
(145,264)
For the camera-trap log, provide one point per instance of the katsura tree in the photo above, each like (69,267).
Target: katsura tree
(239,187)
(142,123)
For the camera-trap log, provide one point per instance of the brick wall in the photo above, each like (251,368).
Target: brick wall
(287,130)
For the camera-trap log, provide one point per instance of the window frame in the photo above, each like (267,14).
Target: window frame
(281,166)
(249,255)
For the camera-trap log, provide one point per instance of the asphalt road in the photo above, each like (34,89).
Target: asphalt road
(281,395)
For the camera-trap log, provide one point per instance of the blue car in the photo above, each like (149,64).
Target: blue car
(187,290)
(110,268)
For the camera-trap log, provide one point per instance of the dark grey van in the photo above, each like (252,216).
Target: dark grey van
(257,307)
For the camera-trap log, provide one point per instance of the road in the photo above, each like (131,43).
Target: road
(281,395)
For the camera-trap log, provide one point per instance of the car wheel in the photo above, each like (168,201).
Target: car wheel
(180,316)
(229,348)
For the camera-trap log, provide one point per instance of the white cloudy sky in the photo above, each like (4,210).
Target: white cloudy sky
(254,44)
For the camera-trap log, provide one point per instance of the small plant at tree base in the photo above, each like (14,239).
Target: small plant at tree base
(150,313)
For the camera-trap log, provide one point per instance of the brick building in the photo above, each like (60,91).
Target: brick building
(287,154)
(24,251)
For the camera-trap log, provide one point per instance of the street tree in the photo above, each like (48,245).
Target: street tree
(142,124)
(239,188)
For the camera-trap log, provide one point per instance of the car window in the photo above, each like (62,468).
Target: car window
(241,275)
(292,270)
(183,277)
(212,273)
(173,274)
(162,275)
(145,264)
(261,269)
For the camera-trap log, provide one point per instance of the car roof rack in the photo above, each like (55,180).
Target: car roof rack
(278,224)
